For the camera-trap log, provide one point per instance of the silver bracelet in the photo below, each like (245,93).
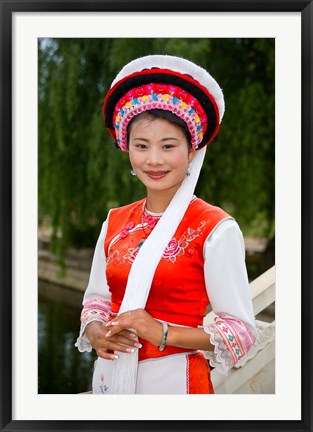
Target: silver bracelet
(164,336)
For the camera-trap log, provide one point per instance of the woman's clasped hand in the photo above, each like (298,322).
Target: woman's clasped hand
(121,334)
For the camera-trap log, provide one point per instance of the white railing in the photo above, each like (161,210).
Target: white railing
(255,373)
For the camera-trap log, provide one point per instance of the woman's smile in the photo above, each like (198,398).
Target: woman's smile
(156,175)
(159,154)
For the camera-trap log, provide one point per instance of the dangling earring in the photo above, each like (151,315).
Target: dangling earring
(133,172)
(188,171)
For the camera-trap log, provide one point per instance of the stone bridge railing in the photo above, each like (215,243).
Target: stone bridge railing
(255,373)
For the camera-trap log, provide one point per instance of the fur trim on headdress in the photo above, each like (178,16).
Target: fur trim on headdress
(165,82)
(177,64)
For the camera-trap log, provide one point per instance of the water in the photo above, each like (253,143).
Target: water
(62,368)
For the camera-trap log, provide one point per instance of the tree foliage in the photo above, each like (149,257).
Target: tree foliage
(82,174)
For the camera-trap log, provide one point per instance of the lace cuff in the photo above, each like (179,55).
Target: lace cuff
(232,339)
(93,310)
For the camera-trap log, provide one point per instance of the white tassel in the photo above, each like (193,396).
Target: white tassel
(124,374)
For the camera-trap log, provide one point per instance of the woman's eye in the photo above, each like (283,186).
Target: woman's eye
(168,146)
(140,146)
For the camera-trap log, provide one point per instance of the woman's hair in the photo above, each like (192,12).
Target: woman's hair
(163,114)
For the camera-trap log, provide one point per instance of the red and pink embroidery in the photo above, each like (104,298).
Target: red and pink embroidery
(236,335)
(175,248)
(94,307)
(172,250)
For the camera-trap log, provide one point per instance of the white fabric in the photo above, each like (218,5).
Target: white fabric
(225,272)
(165,375)
(227,286)
(97,286)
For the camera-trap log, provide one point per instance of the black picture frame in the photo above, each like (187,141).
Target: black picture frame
(7,9)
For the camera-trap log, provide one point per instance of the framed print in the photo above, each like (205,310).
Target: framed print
(24,25)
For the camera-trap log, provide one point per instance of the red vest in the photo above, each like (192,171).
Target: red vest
(178,293)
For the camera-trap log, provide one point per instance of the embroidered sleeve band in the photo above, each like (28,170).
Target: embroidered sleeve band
(93,310)
(95,307)
(232,339)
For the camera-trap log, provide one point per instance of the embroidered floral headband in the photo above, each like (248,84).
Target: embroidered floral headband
(169,83)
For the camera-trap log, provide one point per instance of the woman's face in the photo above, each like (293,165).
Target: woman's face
(159,154)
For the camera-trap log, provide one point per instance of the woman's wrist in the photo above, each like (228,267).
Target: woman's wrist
(158,335)
(91,332)
(187,337)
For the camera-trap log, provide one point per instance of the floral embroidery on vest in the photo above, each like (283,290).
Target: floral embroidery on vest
(174,249)
(178,247)
(132,253)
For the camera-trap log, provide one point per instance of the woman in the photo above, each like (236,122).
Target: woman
(161,261)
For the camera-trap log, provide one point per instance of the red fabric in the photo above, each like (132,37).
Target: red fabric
(198,375)
(178,293)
